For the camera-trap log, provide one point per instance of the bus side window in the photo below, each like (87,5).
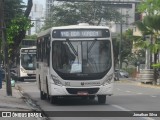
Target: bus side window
(48,51)
(38,49)
(45,49)
(41,51)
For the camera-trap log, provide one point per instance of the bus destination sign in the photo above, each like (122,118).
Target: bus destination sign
(80,33)
(28,51)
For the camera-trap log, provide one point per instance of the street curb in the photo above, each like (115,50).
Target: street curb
(138,83)
(149,85)
(28,100)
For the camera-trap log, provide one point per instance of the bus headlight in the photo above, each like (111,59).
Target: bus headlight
(55,80)
(108,79)
(23,70)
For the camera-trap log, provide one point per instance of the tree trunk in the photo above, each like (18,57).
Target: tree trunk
(155,70)
(21,34)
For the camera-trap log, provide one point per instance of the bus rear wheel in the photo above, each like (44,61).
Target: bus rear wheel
(101,99)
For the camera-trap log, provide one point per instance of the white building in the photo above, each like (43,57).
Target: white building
(37,17)
(49,3)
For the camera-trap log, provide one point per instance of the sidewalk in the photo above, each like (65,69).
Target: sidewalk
(15,102)
(137,82)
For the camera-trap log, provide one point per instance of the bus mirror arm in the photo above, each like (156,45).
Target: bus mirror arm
(90,47)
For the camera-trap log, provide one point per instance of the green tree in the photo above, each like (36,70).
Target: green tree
(17,23)
(150,25)
(31,37)
(13,25)
(12,8)
(126,48)
(69,13)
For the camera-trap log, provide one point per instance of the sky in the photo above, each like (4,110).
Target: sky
(39,1)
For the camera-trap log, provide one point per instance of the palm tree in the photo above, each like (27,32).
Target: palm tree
(151,26)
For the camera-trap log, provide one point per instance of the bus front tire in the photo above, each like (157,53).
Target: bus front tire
(101,99)
(42,95)
(53,99)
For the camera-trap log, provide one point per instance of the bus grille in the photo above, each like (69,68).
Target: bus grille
(88,90)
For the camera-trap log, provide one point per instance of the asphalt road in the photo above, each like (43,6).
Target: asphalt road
(128,96)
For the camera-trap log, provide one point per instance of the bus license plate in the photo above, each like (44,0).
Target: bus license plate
(82,93)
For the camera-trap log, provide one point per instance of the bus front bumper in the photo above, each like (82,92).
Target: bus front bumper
(76,91)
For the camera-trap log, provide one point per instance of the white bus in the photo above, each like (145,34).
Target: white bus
(75,60)
(27,66)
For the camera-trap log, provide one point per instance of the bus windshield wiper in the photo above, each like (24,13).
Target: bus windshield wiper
(90,47)
(72,47)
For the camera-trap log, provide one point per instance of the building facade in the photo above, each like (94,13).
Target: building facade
(125,7)
(37,17)
(48,5)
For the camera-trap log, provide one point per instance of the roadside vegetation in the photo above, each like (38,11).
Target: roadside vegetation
(150,26)
(67,13)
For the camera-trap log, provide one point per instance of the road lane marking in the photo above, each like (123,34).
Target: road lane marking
(153,96)
(121,108)
(139,93)
(124,109)
(128,91)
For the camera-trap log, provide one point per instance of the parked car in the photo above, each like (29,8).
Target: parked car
(14,74)
(121,74)
(116,76)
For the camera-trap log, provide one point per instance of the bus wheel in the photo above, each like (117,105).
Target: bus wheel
(48,96)
(101,99)
(42,95)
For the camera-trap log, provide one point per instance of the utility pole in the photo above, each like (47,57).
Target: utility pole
(5,51)
(120,44)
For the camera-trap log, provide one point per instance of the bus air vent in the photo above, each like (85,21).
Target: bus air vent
(88,90)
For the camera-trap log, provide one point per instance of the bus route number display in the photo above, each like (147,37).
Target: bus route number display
(80,33)
(85,33)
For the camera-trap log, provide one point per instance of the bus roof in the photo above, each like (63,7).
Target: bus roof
(79,26)
(27,43)
(32,47)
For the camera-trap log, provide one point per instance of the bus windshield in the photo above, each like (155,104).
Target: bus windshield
(28,61)
(81,57)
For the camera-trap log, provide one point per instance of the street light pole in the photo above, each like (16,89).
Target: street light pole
(120,44)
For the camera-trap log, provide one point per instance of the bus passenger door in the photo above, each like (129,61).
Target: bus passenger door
(46,52)
(39,67)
